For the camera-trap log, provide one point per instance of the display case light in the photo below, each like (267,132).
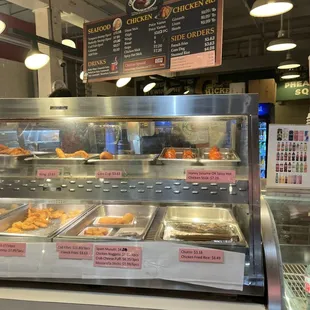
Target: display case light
(123,82)
(148,87)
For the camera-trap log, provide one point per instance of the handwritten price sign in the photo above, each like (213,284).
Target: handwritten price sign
(118,257)
(74,250)
(9,249)
(109,174)
(47,174)
(201,256)
(210,176)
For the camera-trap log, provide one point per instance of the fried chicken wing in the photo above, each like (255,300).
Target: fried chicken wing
(79,154)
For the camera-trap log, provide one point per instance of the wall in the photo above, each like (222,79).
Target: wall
(292,112)
(16,81)
(109,89)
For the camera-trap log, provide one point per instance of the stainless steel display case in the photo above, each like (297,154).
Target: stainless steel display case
(232,124)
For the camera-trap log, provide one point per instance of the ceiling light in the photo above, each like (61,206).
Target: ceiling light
(36,60)
(123,82)
(268,8)
(290,75)
(289,63)
(283,42)
(82,75)
(149,87)
(69,43)
(186,92)
(2,26)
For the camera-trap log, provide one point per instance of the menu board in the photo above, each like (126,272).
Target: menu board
(288,156)
(178,36)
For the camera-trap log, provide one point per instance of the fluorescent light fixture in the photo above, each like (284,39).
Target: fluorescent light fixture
(69,43)
(290,75)
(268,8)
(2,26)
(149,87)
(123,82)
(289,63)
(36,60)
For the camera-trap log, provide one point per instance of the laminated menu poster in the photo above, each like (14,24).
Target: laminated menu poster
(155,36)
(288,157)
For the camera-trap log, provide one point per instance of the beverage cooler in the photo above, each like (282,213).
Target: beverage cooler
(266,116)
(122,204)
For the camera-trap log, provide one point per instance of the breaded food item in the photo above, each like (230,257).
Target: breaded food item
(14,151)
(57,214)
(171,154)
(96,231)
(3,147)
(79,154)
(188,154)
(3,211)
(109,220)
(106,155)
(13,230)
(60,153)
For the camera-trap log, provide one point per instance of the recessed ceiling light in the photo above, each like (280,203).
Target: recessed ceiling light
(123,82)
(268,8)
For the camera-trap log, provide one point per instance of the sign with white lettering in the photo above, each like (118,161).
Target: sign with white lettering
(295,90)
(177,36)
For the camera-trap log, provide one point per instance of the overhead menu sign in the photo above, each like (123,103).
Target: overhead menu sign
(174,36)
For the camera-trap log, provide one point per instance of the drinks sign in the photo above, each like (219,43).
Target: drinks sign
(288,157)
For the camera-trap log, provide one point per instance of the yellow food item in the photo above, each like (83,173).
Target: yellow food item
(3,211)
(126,219)
(40,218)
(79,154)
(96,231)
(106,155)
(14,152)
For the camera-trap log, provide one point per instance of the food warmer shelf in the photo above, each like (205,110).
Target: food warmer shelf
(228,122)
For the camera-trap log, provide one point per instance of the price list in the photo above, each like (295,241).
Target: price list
(182,35)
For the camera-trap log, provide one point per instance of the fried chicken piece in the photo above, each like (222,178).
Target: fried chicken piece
(64,218)
(40,224)
(96,231)
(106,155)
(60,153)
(78,154)
(3,147)
(18,225)
(188,154)
(13,230)
(57,214)
(126,219)
(29,226)
(171,154)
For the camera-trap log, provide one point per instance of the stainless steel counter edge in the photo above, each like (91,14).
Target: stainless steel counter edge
(273,259)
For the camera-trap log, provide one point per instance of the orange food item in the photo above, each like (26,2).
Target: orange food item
(18,151)
(79,154)
(106,155)
(188,154)
(96,231)
(3,147)
(171,154)
(215,156)
(125,220)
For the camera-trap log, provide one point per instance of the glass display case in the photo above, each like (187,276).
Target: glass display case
(160,175)
(291,215)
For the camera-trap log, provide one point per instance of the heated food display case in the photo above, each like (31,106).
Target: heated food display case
(177,210)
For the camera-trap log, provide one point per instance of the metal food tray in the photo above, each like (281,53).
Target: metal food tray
(179,152)
(98,224)
(42,234)
(6,208)
(52,159)
(228,155)
(144,215)
(123,158)
(175,217)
